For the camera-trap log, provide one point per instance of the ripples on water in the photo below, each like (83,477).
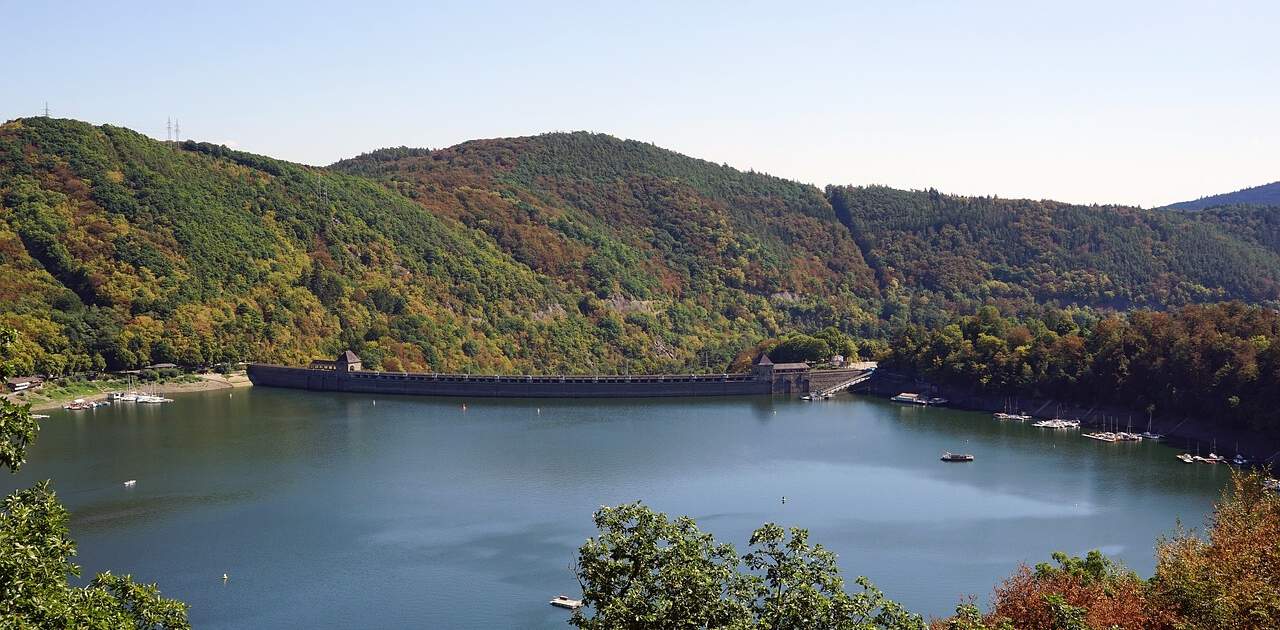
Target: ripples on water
(328,510)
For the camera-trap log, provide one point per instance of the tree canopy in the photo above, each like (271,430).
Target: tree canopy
(644,570)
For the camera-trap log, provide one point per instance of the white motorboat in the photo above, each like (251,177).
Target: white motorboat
(563,601)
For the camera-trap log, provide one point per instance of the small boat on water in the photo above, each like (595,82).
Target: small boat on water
(39,416)
(1000,415)
(1103,436)
(807,397)
(78,404)
(1239,460)
(563,601)
(1187,458)
(1272,484)
(131,483)
(1009,413)
(1148,434)
(1057,423)
(956,457)
(918,399)
(1212,457)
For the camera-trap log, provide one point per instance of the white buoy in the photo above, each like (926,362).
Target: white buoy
(225,577)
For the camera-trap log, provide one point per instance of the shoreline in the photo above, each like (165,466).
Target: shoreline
(1262,449)
(207,382)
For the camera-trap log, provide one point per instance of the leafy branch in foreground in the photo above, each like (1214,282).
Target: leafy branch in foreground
(36,548)
(645,571)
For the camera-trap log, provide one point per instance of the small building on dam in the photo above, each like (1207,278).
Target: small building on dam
(346,374)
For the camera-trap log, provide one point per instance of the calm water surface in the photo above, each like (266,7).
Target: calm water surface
(338,510)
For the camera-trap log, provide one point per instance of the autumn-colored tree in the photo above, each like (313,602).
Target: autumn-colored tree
(1232,579)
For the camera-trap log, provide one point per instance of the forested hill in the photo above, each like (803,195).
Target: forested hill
(963,251)
(118,251)
(634,223)
(562,252)
(1264,195)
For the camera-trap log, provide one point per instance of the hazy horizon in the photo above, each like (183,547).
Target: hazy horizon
(1145,104)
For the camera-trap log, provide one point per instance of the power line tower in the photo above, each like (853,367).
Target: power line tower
(46,109)
(177,131)
(168,129)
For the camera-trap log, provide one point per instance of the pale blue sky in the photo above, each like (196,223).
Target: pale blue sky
(1131,102)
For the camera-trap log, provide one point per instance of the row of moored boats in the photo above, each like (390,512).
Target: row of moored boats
(81,404)
(1117,435)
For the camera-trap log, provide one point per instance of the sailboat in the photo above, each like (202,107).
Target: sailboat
(1148,435)
(1010,414)
(1212,457)
(1239,460)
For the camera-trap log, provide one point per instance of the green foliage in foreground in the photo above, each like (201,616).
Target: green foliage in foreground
(36,551)
(645,571)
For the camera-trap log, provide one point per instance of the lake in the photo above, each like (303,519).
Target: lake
(338,510)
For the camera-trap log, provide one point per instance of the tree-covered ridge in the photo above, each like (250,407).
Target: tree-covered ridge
(119,250)
(557,253)
(1264,195)
(628,219)
(1219,363)
(960,252)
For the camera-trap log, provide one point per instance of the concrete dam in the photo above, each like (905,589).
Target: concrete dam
(345,374)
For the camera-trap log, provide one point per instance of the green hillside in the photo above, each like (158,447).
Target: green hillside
(956,253)
(562,252)
(629,221)
(118,251)
(1264,195)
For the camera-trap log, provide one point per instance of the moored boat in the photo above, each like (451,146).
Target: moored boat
(1102,436)
(563,601)
(1057,423)
(956,457)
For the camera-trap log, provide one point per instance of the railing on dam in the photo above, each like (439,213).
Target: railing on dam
(479,378)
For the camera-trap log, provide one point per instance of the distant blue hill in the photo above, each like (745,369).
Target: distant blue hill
(1264,195)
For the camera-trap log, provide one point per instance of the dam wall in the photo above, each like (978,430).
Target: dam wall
(344,374)
(509,386)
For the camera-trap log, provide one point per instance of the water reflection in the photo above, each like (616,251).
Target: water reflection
(334,510)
